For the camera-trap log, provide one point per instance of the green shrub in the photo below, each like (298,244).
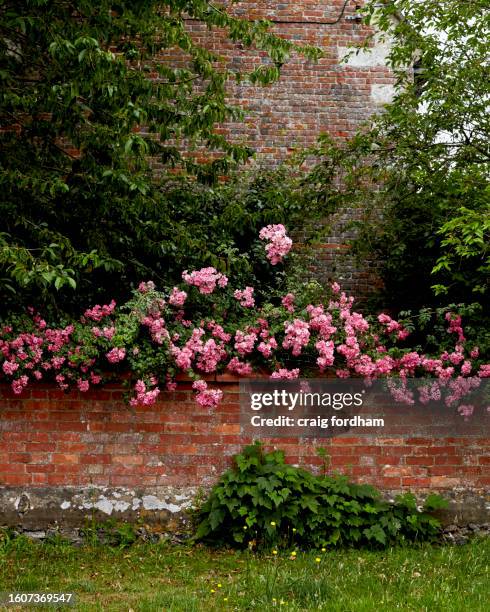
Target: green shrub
(185,225)
(263,501)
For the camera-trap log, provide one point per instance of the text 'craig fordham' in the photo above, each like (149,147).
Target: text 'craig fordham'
(318,421)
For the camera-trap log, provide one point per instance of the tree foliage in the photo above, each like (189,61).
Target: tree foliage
(428,153)
(87,110)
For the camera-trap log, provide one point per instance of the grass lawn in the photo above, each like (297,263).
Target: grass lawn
(148,577)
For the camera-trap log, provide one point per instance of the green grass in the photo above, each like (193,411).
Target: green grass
(151,577)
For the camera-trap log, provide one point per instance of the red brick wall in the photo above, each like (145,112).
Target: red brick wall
(310,97)
(48,438)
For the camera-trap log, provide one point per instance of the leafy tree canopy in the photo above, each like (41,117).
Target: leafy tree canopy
(428,154)
(80,202)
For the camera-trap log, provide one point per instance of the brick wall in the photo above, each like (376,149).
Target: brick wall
(58,446)
(311,97)
(329,96)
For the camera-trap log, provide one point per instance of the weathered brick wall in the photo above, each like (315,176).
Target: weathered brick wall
(329,96)
(311,97)
(63,457)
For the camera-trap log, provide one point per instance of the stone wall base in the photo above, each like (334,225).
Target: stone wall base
(161,510)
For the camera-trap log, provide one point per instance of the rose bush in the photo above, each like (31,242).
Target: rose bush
(205,326)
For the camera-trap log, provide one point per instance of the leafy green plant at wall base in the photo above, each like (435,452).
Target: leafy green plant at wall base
(264,501)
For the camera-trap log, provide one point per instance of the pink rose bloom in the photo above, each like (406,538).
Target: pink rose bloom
(177,297)
(145,287)
(267,347)
(326,354)
(342,373)
(205,279)
(60,379)
(218,332)
(97,313)
(9,367)
(205,397)
(297,336)
(285,374)
(199,385)
(58,362)
(244,343)
(245,297)
(210,355)
(288,302)
(484,371)
(143,396)
(183,357)
(83,385)
(116,355)
(241,368)
(278,245)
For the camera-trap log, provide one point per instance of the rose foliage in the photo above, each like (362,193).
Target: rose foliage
(205,326)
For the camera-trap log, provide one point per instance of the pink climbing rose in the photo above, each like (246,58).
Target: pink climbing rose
(278,243)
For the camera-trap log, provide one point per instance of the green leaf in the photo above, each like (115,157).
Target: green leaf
(375,532)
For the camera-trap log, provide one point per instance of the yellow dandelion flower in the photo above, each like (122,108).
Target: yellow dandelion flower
(274,552)
(318,559)
(294,529)
(245,528)
(213,591)
(225,598)
(273,523)
(324,550)
(293,554)
(219,585)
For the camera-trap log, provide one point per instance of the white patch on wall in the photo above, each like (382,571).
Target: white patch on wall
(151,502)
(382,94)
(365,58)
(104,505)
(121,506)
(181,498)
